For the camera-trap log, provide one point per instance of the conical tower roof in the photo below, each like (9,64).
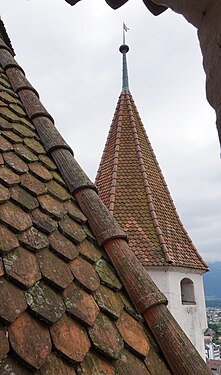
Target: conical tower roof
(133,188)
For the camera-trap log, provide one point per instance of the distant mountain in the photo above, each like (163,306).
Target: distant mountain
(212,284)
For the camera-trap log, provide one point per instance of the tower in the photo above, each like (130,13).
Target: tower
(133,188)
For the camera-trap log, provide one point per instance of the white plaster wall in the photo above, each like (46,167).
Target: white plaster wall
(191,317)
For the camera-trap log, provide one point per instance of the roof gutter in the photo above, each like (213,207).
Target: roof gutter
(182,357)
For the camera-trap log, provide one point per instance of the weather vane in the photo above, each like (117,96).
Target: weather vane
(125,29)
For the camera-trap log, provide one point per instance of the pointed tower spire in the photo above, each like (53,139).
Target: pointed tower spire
(124,49)
(133,188)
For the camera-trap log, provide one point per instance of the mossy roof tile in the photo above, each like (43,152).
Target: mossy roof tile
(22,267)
(80,304)
(105,337)
(45,301)
(4,344)
(51,256)
(54,269)
(85,273)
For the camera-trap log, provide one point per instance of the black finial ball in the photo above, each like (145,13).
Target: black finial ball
(124,48)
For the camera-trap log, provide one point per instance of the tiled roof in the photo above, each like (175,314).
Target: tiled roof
(64,310)
(132,186)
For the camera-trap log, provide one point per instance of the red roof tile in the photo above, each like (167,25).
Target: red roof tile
(30,339)
(80,304)
(132,186)
(70,339)
(55,268)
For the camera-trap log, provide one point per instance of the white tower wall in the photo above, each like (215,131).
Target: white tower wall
(191,312)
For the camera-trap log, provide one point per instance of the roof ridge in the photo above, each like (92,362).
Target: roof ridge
(116,155)
(144,294)
(166,186)
(147,189)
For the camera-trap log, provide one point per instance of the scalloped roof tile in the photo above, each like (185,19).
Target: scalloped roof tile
(133,188)
(60,308)
(49,251)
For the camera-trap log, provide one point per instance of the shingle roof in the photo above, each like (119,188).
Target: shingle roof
(63,308)
(132,186)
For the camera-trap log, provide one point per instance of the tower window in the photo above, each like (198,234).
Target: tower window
(187,292)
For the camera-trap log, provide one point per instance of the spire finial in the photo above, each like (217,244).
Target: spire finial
(124,49)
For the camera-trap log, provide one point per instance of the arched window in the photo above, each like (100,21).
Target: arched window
(187,292)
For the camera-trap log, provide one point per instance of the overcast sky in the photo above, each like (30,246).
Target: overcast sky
(70,55)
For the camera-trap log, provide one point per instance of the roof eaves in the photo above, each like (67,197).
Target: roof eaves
(143,292)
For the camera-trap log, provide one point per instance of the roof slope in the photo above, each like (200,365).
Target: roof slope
(132,186)
(63,309)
